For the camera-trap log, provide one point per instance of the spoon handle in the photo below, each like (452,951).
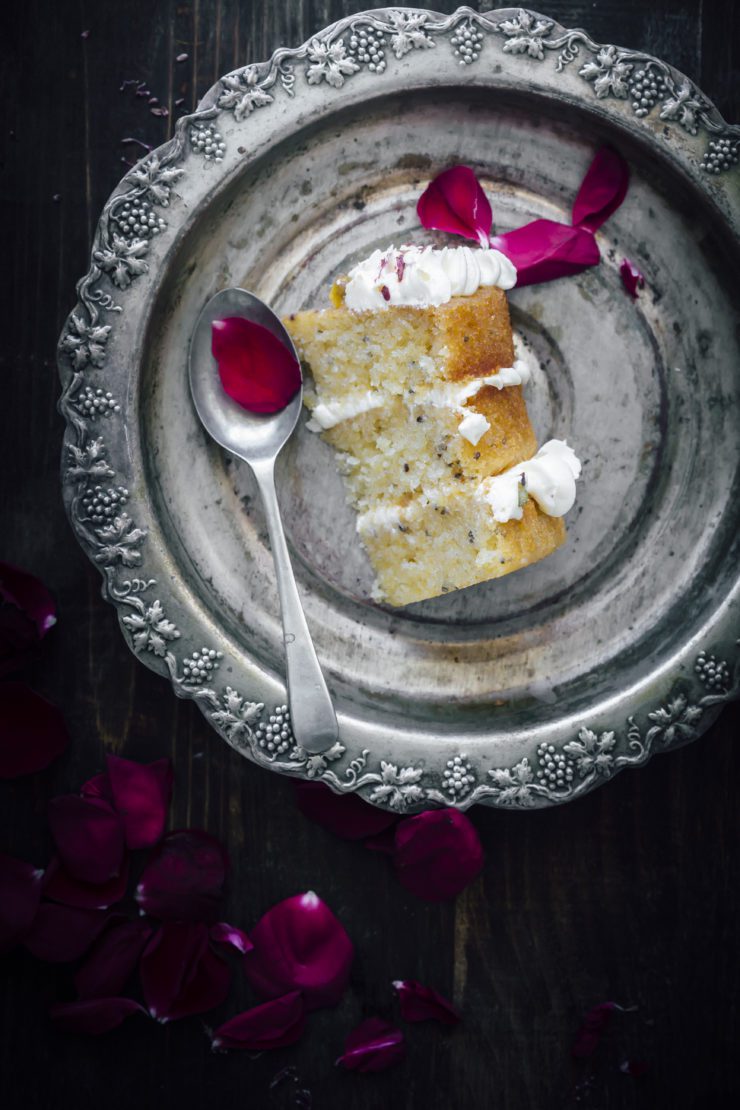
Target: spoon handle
(311,711)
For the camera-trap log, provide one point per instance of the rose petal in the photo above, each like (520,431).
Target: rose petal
(231,936)
(95,1016)
(454,201)
(98,787)
(300,945)
(373,1046)
(60,886)
(419,1003)
(257,371)
(113,960)
(32,731)
(344,815)
(544,250)
(141,795)
(592,1029)
(632,278)
(28,593)
(20,894)
(271,1025)
(61,934)
(437,853)
(602,190)
(180,975)
(184,880)
(384,842)
(89,837)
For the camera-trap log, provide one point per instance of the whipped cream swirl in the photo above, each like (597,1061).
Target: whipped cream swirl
(419,277)
(549,477)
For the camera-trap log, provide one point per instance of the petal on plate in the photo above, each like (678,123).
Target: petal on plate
(32,731)
(141,795)
(60,886)
(231,936)
(257,371)
(437,853)
(454,201)
(373,1046)
(602,190)
(344,815)
(20,894)
(300,945)
(633,279)
(271,1025)
(89,837)
(593,1027)
(61,934)
(112,960)
(420,1003)
(544,250)
(184,879)
(93,1016)
(180,974)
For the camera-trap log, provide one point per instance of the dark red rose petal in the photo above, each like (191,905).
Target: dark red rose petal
(437,853)
(300,945)
(544,250)
(113,960)
(60,886)
(30,595)
(602,190)
(32,731)
(20,894)
(180,975)
(93,1017)
(98,787)
(89,837)
(184,880)
(419,1003)
(229,935)
(592,1029)
(61,934)
(344,815)
(257,371)
(141,795)
(271,1025)
(632,279)
(373,1046)
(454,201)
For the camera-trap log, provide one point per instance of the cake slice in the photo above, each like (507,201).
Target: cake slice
(417,386)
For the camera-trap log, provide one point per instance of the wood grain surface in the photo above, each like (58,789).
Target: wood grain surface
(630,894)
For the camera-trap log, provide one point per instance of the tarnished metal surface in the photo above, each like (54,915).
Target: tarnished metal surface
(526,691)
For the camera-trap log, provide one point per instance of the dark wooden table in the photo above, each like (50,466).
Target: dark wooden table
(629,895)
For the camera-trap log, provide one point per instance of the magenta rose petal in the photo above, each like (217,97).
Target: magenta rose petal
(544,250)
(32,731)
(454,201)
(593,1027)
(28,595)
(602,190)
(61,934)
(231,936)
(632,278)
(20,894)
(272,1025)
(141,795)
(113,959)
(93,1016)
(437,853)
(180,975)
(89,837)
(373,1046)
(344,815)
(300,945)
(184,879)
(98,787)
(420,1003)
(60,886)
(257,371)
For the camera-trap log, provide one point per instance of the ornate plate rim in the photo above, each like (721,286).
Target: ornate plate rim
(685,697)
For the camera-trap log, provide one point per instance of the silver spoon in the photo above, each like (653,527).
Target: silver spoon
(258,438)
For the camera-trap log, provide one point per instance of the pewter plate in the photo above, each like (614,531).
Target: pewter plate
(523,692)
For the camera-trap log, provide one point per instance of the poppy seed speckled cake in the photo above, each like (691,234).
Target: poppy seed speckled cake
(418,388)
